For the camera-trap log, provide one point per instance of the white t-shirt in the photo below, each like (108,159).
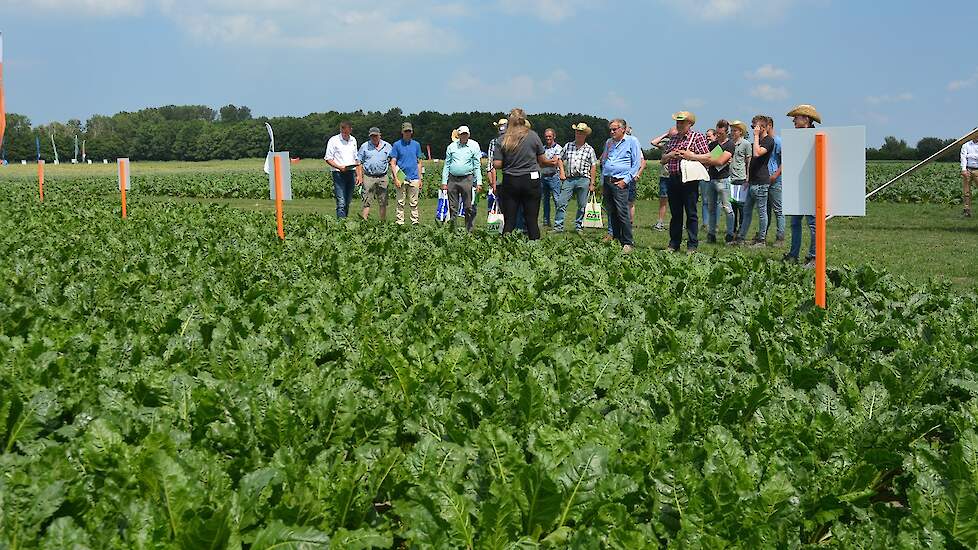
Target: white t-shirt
(969,156)
(341,152)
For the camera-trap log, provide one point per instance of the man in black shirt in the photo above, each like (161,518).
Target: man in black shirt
(758,182)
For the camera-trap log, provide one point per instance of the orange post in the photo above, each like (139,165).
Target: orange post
(40,178)
(278,196)
(123,168)
(820,214)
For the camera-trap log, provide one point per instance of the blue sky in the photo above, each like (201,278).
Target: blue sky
(904,68)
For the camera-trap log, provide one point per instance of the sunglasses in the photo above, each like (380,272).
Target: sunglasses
(614,129)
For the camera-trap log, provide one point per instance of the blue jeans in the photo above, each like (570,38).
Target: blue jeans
(549,189)
(756,196)
(343,183)
(683,198)
(577,187)
(704,194)
(775,209)
(616,202)
(796,236)
(718,198)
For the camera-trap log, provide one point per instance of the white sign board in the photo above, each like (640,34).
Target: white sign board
(124,162)
(845,175)
(286,175)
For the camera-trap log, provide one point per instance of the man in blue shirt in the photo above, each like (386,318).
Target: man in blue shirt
(620,164)
(775,210)
(462,170)
(374,161)
(406,156)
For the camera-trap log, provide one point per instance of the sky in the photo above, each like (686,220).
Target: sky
(903,68)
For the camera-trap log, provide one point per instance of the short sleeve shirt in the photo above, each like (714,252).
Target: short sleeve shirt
(760,169)
(341,151)
(407,155)
(721,172)
(522,160)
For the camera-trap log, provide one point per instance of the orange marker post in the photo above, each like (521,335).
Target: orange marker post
(40,178)
(278,196)
(820,214)
(123,168)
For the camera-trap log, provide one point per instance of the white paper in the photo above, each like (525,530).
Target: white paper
(845,176)
(534,175)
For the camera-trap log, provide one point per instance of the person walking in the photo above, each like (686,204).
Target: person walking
(738,170)
(374,163)
(803,116)
(341,156)
(758,182)
(662,143)
(462,172)
(578,169)
(520,156)
(620,166)
(406,156)
(718,190)
(683,197)
(775,195)
(550,180)
(969,172)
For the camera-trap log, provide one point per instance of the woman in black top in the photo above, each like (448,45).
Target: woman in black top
(520,157)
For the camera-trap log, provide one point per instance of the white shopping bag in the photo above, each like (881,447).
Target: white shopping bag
(592,213)
(494,222)
(442,213)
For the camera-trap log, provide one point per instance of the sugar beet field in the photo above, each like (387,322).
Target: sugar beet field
(182,379)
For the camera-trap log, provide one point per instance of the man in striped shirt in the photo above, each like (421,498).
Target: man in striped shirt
(577,173)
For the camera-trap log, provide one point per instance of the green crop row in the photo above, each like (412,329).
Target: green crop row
(182,379)
(937,183)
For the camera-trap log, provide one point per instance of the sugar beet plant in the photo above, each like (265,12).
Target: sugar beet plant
(183,380)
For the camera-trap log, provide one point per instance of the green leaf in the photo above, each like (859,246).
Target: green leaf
(278,536)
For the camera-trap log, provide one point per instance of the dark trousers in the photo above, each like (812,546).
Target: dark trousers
(516,192)
(616,203)
(683,197)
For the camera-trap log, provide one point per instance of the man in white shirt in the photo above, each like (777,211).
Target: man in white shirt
(969,171)
(341,156)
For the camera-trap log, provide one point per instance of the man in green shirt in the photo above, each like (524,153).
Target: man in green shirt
(463,167)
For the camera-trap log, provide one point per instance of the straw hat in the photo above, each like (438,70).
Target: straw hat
(502,122)
(806,110)
(685,115)
(739,124)
(582,127)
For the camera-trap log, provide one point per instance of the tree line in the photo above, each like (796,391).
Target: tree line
(199,132)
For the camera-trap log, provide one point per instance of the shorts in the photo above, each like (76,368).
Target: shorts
(663,187)
(374,186)
(632,191)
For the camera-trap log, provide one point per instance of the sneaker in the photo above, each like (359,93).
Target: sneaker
(691,251)
(670,250)
(759,244)
(627,249)
(711,238)
(607,239)
(659,227)
(810,262)
(779,242)
(728,239)
(737,241)
(789,259)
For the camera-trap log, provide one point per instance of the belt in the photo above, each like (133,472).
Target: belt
(377,175)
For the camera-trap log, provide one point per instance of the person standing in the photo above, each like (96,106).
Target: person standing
(775,195)
(662,143)
(462,172)
(501,126)
(711,136)
(406,156)
(683,197)
(718,191)
(632,188)
(550,182)
(520,156)
(374,162)
(758,182)
(969,172)
(341,156)
(578,169)
(621,163)
(803,116)
(738,170)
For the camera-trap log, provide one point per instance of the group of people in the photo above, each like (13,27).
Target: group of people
(703,176)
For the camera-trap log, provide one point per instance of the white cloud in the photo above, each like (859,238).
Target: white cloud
(552,11)
(616,101)
(98,8)
(769,93)
(886,98)
(767,72)
(969,82)
(717,10)
(517,88)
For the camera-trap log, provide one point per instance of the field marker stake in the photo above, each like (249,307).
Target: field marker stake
(820,201)
(40,178)
(122,178)
(278,196)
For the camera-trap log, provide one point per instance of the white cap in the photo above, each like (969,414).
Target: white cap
(464,130)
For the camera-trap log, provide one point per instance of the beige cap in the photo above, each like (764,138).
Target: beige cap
(582,127)
(407,126)
(685,115)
